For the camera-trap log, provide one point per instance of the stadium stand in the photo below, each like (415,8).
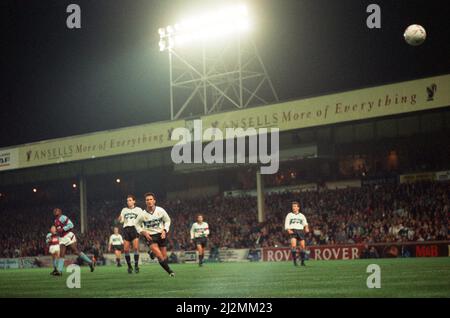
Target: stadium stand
(370,214)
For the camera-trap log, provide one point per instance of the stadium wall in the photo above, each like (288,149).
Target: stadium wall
(355,251)
(276,254)
(32,262)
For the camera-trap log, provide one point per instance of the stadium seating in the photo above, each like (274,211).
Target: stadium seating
(388,213)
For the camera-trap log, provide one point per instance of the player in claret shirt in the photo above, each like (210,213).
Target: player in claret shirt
(67,238)
(52,241)
(199,235)
(296,226)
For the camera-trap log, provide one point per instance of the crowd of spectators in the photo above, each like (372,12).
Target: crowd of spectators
(371,214)
(388,213)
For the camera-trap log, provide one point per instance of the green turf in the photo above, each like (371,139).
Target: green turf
(415,277)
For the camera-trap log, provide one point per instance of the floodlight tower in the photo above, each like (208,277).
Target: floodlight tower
(214,65)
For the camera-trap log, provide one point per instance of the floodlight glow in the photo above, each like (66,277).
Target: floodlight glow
(170,30)
(171,43)
(162,45)
(225,21)
(242,9)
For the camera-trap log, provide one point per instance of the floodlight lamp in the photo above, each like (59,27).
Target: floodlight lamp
(243,25)
(206,26)
(162,45)
(180,40)
(242,10)
(171,43)
(170,30)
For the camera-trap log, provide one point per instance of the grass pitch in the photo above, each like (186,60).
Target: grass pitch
(415,277)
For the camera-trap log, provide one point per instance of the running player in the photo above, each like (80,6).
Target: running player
(199,235)
(116,244)
(296,226)
(128,217)
(67,238)
(52,241)
(154,224)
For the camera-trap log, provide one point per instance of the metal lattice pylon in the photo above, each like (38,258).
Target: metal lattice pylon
(209,78)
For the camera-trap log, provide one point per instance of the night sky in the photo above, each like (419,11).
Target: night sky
(58,82)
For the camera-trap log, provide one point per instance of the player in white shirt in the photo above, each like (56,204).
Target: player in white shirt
(116,244)
(199,235)
(296,226)
(128,218)
(154,224)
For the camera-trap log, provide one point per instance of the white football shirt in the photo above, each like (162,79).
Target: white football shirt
(128,216)
(116,239)
(295,221)
(153,222)
(199,230)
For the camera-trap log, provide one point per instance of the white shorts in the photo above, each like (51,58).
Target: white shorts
(53,249)
(67,240)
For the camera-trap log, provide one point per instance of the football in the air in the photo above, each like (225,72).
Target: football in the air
(415,35)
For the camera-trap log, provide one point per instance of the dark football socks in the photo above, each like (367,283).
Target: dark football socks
(294,255)
(165,265)
(128,259)
(302,257)
(136,259)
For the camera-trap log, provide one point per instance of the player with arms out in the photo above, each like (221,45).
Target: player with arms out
(199,235)
(116,244)
(154,224)
(296,226)
(52,241)
(67,238)
(128,218)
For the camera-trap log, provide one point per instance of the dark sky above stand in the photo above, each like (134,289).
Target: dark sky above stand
(58,82)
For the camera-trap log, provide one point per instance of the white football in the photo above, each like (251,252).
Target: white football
(415,35)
